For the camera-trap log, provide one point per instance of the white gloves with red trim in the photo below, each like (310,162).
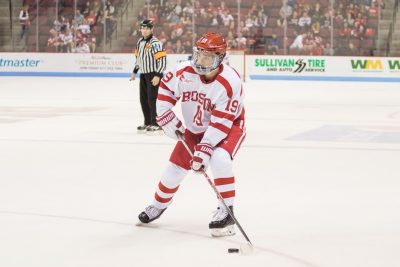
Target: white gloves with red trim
(170,124)
(201,157)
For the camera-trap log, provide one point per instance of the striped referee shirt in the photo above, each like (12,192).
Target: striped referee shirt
(150,56)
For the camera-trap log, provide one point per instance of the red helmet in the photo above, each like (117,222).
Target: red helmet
(212,42)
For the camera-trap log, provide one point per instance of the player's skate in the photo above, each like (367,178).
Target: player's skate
(150,214)
(222,223)
(142,128)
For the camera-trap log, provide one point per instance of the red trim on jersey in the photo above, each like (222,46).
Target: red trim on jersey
(228,194)
(166,98)
(167,190)
(226,84)
(239,121)
(241,139)
(164,86)
(223,115)
(187,69)
(161,199)
(220,127)
(236,72)
(224,181)
(233,141)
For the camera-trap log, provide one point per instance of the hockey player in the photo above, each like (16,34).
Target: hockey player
(211,97)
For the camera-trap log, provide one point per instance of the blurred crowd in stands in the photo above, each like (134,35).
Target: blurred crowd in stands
(79,33)
(73,30)
(267,27)
(305,27)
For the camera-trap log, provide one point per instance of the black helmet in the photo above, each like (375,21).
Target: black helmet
(147,23)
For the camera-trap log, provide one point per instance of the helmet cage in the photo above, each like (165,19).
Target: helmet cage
(216,59)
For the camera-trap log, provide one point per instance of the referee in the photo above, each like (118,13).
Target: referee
(151,60)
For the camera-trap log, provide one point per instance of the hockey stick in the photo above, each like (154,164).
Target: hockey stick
(249,244)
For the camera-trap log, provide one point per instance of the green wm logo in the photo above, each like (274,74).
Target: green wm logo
(394,64)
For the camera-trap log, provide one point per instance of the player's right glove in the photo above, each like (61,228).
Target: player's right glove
(201,157)
(170,124)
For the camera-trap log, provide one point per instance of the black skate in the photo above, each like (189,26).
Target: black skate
(222,223)
(142,128)
(150,214)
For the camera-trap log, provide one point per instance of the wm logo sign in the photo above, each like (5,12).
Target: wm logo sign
(394,64)
(366,64)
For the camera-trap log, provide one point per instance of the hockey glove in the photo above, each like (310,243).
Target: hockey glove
(170,124)
(201,157)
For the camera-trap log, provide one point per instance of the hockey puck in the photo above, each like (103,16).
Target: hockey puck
(233,250)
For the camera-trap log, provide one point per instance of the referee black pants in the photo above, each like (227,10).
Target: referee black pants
(148,98)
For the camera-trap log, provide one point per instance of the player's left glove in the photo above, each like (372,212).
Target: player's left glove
(201,157)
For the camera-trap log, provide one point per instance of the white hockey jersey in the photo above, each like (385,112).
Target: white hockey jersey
(207,107)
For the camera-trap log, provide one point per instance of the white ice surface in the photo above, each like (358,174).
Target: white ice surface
(74,175)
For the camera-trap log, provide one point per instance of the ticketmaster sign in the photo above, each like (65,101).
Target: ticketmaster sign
(18,63)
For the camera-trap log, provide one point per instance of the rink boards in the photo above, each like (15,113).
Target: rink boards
(255,67)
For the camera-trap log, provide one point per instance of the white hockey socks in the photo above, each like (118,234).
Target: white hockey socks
(169,184)
(221,166)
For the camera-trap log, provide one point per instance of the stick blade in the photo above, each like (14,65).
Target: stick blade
(246,248)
